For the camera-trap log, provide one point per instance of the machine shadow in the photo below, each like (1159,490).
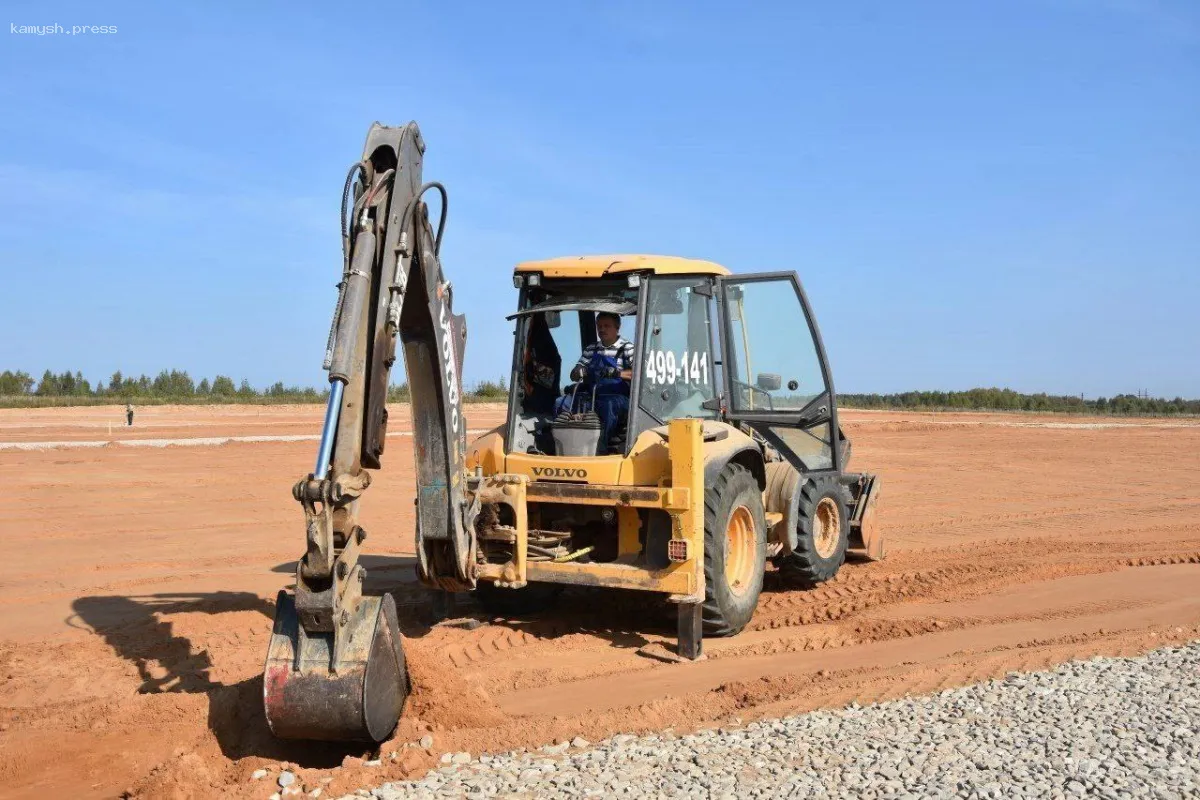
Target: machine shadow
(620,617)
(138,629)
(623,618)
(381,569)
(774,583)
(394,575)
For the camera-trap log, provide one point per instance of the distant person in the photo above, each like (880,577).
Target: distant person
(128,414)
(608,367)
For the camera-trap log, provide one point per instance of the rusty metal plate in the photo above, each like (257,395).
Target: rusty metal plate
(869,536)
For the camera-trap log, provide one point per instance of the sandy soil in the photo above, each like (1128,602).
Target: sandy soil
(138,589)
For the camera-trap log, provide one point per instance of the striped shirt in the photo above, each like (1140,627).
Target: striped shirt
(621,351)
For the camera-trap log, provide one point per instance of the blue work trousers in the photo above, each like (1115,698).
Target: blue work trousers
(613,411)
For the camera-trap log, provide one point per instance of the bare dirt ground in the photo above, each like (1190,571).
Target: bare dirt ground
(138,587)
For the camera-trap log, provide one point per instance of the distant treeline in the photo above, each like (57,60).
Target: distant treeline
(1008,400)
(19,389)
(176,386)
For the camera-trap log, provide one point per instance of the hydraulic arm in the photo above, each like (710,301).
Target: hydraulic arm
(335,667)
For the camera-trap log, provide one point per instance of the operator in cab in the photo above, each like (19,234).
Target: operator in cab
(607,365)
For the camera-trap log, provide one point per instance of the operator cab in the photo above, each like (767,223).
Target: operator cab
(680,315)
(556,323)
(666,318)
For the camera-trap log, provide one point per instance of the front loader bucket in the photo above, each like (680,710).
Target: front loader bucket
(865,534)
(359,698)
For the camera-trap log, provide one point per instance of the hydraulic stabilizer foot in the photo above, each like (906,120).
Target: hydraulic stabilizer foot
(691,631)
(358,697)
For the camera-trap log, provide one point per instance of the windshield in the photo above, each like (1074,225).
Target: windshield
(557,321)
(677,369)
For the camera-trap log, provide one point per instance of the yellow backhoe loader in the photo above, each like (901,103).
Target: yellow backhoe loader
(677,459)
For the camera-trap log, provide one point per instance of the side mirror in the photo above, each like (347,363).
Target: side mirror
(769,382)
(553,319)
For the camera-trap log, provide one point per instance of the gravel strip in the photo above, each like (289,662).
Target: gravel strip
(1108,727)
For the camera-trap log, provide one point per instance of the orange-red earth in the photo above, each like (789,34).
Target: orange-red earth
(137,588)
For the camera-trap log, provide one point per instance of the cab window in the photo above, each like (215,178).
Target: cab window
(551,342)
(773,360)
(676,360)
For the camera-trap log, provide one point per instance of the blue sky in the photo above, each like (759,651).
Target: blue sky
(987,193)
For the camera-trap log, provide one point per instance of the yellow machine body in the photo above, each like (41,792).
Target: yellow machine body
(661,474)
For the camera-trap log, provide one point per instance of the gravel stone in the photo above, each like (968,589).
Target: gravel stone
(1106,727)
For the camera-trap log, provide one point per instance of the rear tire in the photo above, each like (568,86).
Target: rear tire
(735,550)
(823,534)
(533,598)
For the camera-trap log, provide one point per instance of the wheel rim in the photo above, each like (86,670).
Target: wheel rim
(739,550)
(827,527)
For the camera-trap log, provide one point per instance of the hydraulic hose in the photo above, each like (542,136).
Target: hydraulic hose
(358,254)
(437,240)
(345,231)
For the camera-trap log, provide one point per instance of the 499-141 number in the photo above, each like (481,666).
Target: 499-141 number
(662,366)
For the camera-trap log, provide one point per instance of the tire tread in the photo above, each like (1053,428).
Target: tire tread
(732,480)
(803,567)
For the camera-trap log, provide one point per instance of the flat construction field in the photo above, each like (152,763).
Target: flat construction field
(139,578)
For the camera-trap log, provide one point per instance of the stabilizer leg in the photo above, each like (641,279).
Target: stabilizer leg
(691,631)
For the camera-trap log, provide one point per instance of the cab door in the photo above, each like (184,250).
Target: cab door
(776,376)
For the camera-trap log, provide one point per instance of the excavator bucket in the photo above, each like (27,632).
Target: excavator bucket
(352,690)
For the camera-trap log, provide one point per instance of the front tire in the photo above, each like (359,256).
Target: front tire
(823,534)
(735,550)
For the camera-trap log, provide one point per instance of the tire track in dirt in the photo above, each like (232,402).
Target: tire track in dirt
(1165,590)
(798,621)
(988,566)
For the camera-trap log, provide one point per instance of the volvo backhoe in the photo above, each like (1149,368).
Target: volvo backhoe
(727,453)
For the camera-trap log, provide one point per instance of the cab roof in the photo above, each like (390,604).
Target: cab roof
(599,266)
